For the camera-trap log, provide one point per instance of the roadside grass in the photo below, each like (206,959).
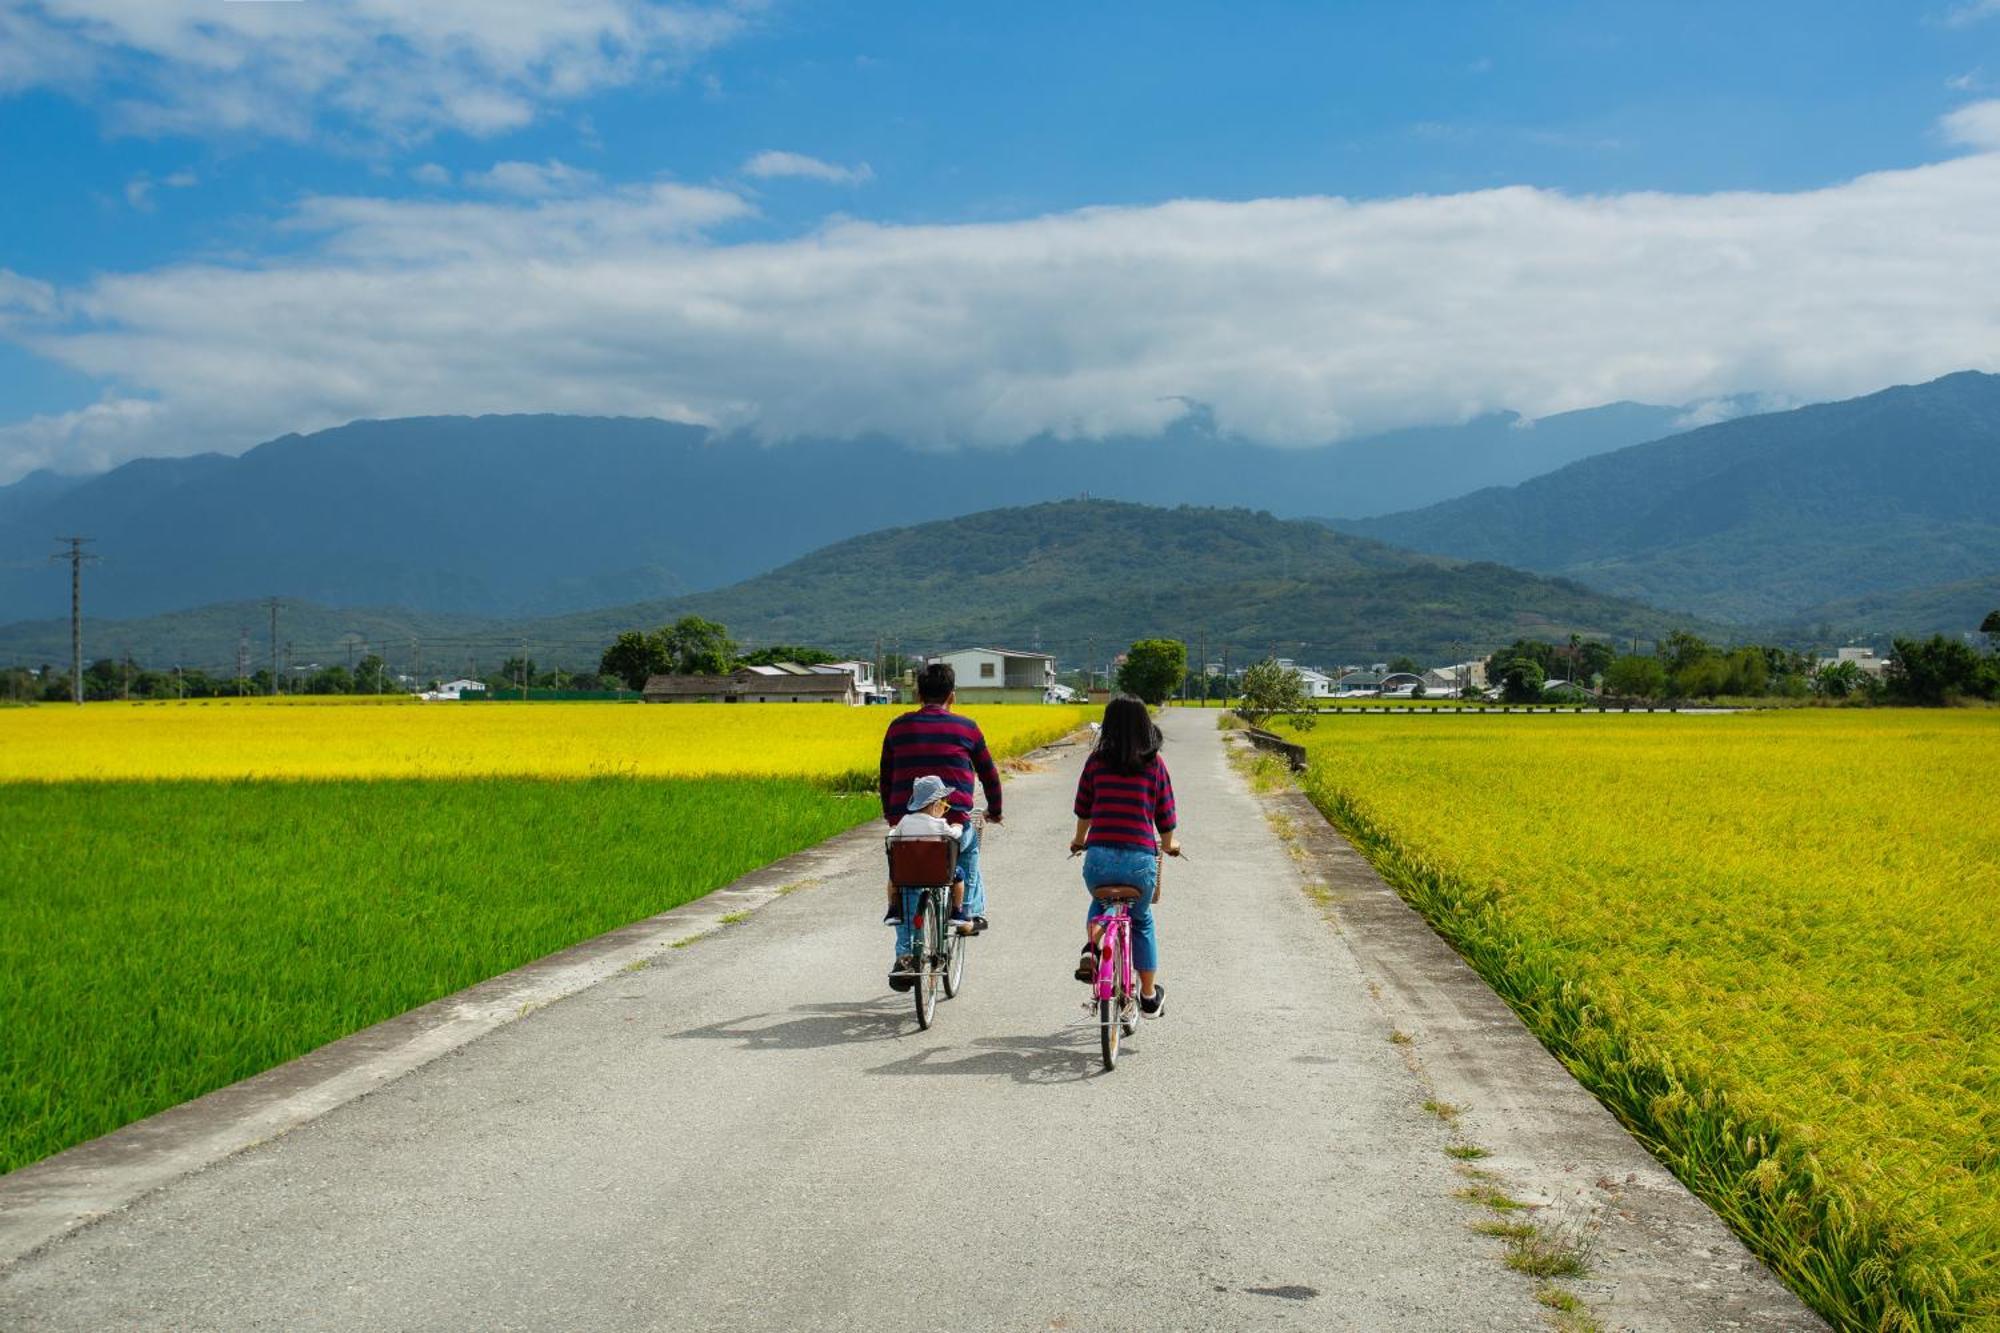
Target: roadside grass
(1765,941)
(166,939)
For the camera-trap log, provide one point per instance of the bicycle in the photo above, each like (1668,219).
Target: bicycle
(922,869)
(1115,994)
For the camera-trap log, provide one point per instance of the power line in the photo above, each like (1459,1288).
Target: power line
(274,645)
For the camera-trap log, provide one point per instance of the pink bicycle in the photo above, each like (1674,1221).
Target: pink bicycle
(1115,996)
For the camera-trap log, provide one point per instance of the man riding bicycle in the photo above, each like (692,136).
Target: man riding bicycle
(933,739)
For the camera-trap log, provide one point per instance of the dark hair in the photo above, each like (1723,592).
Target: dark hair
(936,682)
(1128,739)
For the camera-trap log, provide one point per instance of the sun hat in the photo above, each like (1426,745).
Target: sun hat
(926,791)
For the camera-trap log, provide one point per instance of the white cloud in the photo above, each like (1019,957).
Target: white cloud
(383,67)
(532,180)
(139,190)
(1975,125)
(1299,320)
(773,164)
(1972,12)
(430,173)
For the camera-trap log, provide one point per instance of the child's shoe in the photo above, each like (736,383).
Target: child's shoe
(893,917)
(1154,1005)
(961,921)
(1086,966)
(903,972)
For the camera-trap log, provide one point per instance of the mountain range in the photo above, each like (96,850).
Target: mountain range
(1080,578)
(528,515)
(1784,517)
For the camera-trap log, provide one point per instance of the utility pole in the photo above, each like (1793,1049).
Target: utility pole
(1201,670)
(1225,676)
(524,671)
(274,645)
(242,658)
(77,557)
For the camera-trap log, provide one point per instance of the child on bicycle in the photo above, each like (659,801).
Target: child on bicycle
(1125,819)
(929,802)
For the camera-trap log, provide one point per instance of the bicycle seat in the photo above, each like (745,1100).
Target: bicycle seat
(1118,893)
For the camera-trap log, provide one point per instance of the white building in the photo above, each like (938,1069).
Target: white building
(1001,675)
(453,689)
(1864,658)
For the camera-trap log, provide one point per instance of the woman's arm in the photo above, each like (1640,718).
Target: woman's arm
(1077,839)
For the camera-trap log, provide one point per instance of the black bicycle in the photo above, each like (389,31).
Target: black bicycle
(922,868)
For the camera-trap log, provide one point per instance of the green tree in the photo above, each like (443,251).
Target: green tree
(1406,663)
(371,675)
(1682,650)
(633,658)
(697,647)
(1269,688)
(1635,677)
(1152,669)
(1521,681)
(1746,672)
(1836,680)
(1934,671)
(1990,627)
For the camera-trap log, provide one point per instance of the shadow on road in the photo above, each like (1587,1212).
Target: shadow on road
(1062,1057)
(818,1025)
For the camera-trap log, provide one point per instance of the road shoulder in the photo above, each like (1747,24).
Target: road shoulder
(1657,1256)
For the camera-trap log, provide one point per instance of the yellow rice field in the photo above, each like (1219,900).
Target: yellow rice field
(127,742)
(1771,941)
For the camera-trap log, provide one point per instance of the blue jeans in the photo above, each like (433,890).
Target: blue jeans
(1127,865)
(975,894)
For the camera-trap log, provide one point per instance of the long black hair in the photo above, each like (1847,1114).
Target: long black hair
(1128,740)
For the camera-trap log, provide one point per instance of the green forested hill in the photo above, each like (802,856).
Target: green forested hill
(1757,519)
(1072,574)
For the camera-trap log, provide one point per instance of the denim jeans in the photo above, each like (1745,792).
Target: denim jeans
(975,894)
(1127,865)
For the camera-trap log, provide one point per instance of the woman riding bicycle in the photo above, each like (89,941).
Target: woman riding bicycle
(1123,797)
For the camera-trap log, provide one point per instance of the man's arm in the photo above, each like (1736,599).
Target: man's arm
(884,782)
(989,775)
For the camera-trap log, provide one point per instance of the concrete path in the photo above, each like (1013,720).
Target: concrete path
(750,1133)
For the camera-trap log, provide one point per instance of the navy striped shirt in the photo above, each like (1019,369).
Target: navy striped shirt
(932,740)
(1124,810)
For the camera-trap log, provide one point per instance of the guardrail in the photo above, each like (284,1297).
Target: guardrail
(1295,755)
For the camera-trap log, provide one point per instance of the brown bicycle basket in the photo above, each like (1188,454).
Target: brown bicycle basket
(918,863)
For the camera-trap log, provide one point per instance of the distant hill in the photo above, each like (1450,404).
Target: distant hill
(1944,608)
(525,515)
(1756,519)
(1071,576)
(1074,573)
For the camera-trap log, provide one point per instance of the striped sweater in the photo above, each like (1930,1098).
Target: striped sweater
(1123,811)
(932,740)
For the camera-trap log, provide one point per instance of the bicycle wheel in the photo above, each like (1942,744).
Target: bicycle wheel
(1109,1029)
(954,967)
(926,989)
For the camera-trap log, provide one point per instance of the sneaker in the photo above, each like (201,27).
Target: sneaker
(903,972)
(893,917)
(979,925)
(962,923)
(1155,1005)
(1086,966)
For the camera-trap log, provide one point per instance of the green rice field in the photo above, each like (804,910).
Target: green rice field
(164,939)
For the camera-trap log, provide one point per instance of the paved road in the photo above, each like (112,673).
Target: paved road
(752,1134)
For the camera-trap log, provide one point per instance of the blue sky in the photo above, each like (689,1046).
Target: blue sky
(272,156)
